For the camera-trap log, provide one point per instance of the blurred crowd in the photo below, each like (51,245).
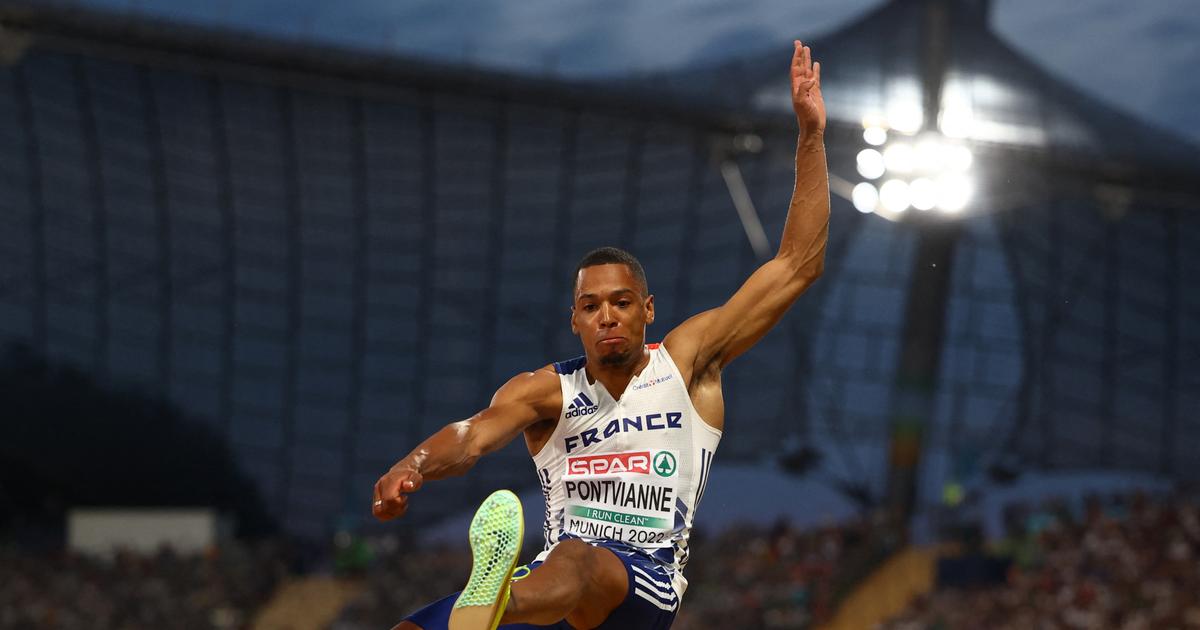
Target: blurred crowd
(779,577)
(400,579)
(1125,563)
(220,589)
(748,577)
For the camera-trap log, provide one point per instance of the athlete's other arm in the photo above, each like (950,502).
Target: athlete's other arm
(712,339)
(522,401)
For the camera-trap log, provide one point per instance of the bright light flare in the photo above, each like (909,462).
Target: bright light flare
(954,193)
(958,158)
(905,117)
(899,157)
(870,164)
(923,193)
(957,121)
(932,155)
(928,155)
(865,197)
(875,136)
(894,195)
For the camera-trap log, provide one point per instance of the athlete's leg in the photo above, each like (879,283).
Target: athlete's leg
(577,582)
(406,625)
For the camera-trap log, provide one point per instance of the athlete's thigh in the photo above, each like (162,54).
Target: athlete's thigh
(604,586)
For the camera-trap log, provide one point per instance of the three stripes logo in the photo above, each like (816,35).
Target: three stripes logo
(581,406)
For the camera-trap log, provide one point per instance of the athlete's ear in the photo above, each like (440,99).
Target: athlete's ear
(574,328)
(649,310)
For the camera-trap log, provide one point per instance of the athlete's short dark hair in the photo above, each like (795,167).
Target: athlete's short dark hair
(613,256)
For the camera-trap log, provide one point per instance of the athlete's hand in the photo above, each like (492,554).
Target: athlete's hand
(806,92)
(391,493)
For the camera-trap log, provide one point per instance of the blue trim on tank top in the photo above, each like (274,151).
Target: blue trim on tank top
(570,366)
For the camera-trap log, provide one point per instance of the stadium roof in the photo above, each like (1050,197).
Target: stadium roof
(990,93)
(998,96)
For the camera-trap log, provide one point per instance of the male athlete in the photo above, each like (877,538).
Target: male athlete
(622,437)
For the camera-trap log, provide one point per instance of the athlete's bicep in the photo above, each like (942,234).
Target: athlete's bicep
(521,402)
(717,336)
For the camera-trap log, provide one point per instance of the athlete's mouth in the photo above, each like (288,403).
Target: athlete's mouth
(611,341)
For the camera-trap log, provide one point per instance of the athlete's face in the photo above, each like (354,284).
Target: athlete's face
(610,314)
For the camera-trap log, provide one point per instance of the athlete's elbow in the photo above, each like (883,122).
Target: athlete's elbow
(470,446)
(803,270)
(814,269)
(474,447)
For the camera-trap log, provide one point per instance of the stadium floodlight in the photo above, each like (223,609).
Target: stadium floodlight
(923,193)
(899,157)
(956,121)
(919,168)
(905,116)
(958,158)
(954,192)
(870,164)
(865,197)
(928,155)
(934,155)
(894,195)
(875,135)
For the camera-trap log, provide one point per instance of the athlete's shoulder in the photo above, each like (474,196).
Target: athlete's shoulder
(544,377)
(538,388)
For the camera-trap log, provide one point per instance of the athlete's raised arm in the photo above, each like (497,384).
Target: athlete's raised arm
(714,338)
(522,401)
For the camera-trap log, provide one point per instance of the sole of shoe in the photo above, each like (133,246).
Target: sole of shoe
(496,533)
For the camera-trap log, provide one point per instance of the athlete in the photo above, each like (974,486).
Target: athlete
(622,437)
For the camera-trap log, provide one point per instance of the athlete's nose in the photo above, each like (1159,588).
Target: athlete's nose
(606,318)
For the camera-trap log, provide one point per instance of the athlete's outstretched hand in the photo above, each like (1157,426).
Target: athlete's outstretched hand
(391,493)
(806,91)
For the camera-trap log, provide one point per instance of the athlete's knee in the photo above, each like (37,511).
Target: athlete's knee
(556,593)
(573,551)
(577,580)
(554,589)
(576,565)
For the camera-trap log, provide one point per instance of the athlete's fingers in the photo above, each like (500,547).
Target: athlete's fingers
(377,508)
(413,483)
(807,63)
(817,72)
(390,508)
(389,500)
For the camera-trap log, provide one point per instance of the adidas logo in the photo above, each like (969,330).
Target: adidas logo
(581,406)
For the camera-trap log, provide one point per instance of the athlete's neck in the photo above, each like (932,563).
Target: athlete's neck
(615,378)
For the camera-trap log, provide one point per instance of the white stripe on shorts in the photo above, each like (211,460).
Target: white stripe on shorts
(653,600)
(653,578)
(664,593)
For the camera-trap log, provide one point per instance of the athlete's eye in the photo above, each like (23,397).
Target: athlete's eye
(623,303)
(589,307)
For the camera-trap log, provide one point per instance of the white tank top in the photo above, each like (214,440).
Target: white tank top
(627,472)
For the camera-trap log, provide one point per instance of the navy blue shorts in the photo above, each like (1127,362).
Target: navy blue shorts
(650,603)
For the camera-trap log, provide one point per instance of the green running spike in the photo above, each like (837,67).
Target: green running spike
(495,535)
